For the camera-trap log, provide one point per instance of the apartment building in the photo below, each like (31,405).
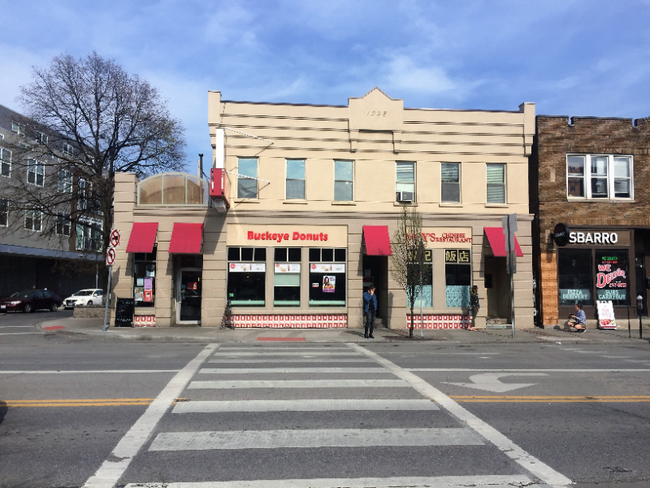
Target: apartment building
(592,235)
(304,200)
(37,250)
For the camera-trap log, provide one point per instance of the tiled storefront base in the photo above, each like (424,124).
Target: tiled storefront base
(144,321)
(440,321)
(289,321)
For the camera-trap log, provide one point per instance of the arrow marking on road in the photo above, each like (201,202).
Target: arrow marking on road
(490,382)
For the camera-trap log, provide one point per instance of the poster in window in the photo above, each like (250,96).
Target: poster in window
(329,284)
(138,294)
(148,295)
(148,283)
(611,276)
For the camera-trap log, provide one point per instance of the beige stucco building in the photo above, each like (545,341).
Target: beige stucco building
(304,199)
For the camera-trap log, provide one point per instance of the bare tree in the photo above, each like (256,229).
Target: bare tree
(408,257)
(87,120)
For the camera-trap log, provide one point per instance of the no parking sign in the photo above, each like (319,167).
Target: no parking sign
(115,238)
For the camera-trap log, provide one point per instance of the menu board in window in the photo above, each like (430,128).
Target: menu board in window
(611,276)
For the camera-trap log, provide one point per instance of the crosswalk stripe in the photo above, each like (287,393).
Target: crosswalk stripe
(296,348)
(208,385)
(291,370)
(292,360)
(297,352)
(319,405)
(313,438)
(482,481)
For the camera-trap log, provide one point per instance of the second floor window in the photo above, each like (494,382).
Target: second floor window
(89,236)
(405,182)
(63,224)
(35,172)
(296,179)
(450,177)
(599,176)
(343,181)
(4,213)
(247,180)
(65,181)
(5,162)
(496,183)
(34,220)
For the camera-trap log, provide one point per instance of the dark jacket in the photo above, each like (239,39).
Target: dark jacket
(366,301)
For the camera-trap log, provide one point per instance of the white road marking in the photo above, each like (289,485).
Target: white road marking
(319,405)
(536,370)
(531,464)
(482,481)
(298,384)
(266,352)
(20,333)
(490,382)
(94,371)
(296,348)
(288,360)
(16,326)
(290,370)
(116,464)
(313,438)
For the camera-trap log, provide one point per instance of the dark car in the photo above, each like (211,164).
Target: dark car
(30,300)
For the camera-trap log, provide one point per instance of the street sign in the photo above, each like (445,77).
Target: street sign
(110,256)
(115,238)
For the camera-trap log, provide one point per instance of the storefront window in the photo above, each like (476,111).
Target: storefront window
(327,278)
(286,277)
(426,298)
(246,276)
(612,276)
(574,276)
(458,277)
(144,278)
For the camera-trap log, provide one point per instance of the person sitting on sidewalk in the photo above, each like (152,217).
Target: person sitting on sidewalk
(578,320)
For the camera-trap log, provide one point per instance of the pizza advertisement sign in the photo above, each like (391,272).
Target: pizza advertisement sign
(605,310)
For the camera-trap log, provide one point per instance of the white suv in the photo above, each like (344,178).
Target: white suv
(82,298)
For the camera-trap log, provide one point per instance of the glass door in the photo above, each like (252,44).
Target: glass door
(188,296)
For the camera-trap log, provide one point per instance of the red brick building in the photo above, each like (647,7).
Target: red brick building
(591,174)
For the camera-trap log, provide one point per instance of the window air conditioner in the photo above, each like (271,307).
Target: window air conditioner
(405,196)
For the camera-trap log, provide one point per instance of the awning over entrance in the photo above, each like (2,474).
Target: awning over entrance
(186,239)
(377,240)
(143,236)
(498,242)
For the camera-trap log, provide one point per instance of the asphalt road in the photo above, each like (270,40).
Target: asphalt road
(78,411)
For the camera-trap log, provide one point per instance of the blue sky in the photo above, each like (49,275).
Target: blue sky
(569,57)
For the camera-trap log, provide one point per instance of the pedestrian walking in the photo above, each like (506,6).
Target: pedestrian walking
(370,309)
(475,306)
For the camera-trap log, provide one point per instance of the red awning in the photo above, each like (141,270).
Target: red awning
(186,239)
(498,242)
(143,236)
(377,240)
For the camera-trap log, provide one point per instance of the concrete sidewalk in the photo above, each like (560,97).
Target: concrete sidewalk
(93,327)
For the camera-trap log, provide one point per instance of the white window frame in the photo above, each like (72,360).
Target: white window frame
(241,176)
(288,179)
(340,180)
(587,177)
(31,215)
(5,161)
(401,186)
(17,128)
(64,181)
(442,183)
(82,238)
(505,187)
(36,168)
(63,221)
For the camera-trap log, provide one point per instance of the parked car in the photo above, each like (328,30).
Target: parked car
(82,298)
(30,300)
